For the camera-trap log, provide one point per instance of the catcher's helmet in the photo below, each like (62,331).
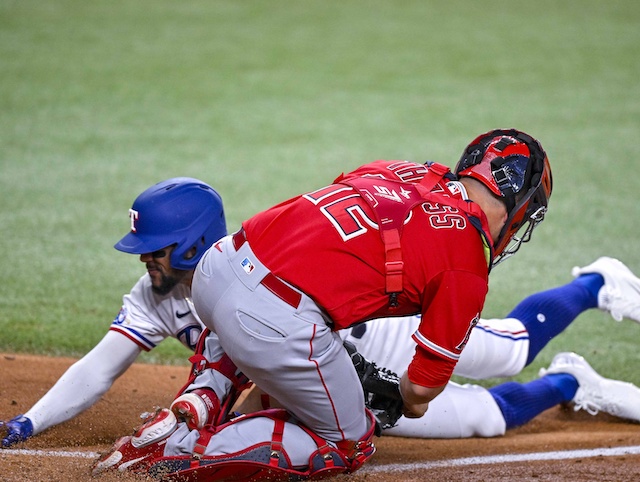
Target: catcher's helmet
(181,212)
(514,166)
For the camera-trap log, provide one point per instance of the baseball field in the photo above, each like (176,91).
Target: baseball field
(264,100)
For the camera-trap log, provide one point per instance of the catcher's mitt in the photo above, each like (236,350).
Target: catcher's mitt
(381,389)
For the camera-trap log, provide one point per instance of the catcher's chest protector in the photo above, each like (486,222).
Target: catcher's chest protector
(391,201)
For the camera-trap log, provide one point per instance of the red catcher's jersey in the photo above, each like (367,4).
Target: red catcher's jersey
(327,244)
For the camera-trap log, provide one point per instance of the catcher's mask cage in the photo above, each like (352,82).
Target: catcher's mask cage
(182,212)
(515,167)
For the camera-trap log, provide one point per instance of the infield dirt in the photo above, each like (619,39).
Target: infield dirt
(25,378)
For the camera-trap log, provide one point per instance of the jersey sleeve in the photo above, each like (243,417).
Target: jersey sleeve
(94,373)
(453,303)
(147,318)
(136,328)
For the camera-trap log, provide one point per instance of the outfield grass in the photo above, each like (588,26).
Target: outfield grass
(263,100)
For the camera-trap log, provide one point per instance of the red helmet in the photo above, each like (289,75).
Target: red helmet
(514,166)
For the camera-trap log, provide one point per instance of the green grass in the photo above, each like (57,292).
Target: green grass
(264,100)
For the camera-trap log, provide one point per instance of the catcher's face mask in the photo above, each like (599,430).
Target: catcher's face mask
(516,169)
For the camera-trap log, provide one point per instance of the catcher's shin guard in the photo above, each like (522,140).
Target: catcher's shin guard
(137,452)
(265,461)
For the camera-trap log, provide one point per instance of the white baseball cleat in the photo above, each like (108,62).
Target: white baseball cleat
(620,295)
(595,392)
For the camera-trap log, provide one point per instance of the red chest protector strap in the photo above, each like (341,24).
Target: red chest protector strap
(391,201)
(226,367)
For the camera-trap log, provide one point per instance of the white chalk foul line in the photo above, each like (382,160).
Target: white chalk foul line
(493,459)
(50,453)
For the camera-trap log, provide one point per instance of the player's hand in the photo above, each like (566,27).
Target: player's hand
(414,411)
(416,398)
(197,408)
(16,430)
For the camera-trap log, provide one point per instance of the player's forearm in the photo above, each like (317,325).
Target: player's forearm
(416,398)
(84,382)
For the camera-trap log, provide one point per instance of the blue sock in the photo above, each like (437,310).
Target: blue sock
(545,315)
(521,402)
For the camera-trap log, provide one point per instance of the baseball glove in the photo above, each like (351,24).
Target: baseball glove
(381,389)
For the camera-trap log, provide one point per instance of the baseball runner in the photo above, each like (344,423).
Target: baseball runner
(384,240)
(503,347)
(172,225)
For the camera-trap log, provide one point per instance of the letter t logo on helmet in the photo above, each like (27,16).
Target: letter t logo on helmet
(133,214)
(515,168)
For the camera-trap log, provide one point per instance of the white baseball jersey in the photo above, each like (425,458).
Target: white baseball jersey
(147,318)
(497,347)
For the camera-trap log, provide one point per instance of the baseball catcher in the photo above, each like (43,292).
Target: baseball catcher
(264,294)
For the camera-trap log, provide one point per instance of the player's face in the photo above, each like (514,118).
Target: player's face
(163,276)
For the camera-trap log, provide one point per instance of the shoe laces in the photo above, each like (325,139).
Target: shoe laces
(608,296)
(612,301)
(589,406)
(593,402)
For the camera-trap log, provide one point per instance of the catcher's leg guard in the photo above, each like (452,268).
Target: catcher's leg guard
(136,452)
(267,460)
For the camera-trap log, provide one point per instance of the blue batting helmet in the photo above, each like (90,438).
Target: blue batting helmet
(181,212)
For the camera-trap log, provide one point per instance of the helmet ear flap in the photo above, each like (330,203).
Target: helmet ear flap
(182,253)
(535,179)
